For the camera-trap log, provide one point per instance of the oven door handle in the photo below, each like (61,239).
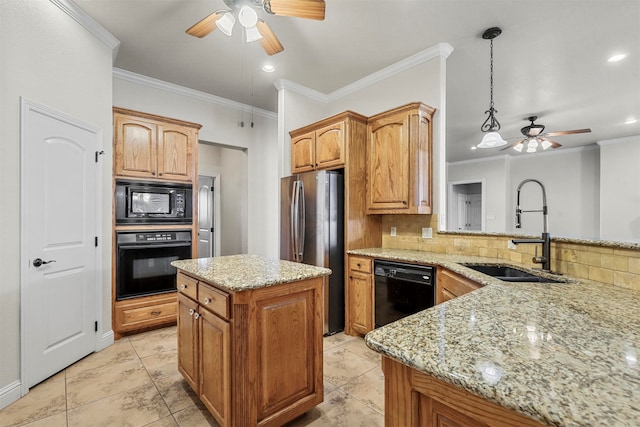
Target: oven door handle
(155,245)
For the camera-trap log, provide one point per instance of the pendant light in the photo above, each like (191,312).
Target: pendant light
(491,125)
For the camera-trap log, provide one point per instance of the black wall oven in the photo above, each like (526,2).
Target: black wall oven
(143,265)
(142,202)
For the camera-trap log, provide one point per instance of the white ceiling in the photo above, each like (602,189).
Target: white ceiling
(550,60)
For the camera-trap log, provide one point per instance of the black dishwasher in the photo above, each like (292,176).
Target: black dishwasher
(402,289)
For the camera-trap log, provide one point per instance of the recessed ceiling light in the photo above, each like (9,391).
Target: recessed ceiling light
(473,147)
(268,68)
(617,58)
(630,121)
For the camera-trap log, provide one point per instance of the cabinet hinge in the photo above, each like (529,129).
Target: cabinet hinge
(96,326)
(96,242)
(98,153)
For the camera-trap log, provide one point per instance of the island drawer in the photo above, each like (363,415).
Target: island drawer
(213,300)
(187,286)
(362,264)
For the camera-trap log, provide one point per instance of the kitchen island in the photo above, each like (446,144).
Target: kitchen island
(250,337)
(562,354)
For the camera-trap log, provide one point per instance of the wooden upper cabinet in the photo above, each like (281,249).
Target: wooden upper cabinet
(303,150)
(399,161)
(321,145)
(148,146)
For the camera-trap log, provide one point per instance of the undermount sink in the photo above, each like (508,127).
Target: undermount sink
(510,274)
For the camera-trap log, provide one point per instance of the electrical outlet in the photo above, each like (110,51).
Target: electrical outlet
(511,245)
(393,231)
(427,232)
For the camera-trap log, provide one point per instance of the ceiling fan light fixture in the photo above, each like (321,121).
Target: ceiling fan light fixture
(248,17)
(492,140)
(518,147)
(226,23)
(252,34)
(545,144)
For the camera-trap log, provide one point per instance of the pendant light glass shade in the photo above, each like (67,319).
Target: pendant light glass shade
(491,140)
(226,23)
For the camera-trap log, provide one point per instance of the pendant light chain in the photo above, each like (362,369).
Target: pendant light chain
(491,73)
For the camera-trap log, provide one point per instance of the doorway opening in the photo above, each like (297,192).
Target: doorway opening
(467,205)
(208,216)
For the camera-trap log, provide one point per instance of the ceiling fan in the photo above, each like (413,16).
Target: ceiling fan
(256,28)
(536,138)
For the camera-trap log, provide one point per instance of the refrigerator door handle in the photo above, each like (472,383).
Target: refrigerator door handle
(301,222)
(294,220)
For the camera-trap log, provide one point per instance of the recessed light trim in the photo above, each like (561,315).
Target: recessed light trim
(630,121)
(268,68)
(617,58)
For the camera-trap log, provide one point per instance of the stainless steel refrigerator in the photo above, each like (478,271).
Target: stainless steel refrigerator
(312,232)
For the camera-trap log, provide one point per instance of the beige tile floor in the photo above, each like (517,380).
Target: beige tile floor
(135,382)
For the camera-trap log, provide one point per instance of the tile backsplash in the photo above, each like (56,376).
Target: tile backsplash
(603,263)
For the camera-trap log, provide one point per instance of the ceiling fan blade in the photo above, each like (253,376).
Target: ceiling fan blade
(513,144)
(205,26)
(269,41)
(567,132)
(308,9)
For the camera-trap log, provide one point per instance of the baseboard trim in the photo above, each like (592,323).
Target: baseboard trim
(9,394)
(105,340)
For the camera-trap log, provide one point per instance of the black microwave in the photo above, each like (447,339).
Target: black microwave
(142,202)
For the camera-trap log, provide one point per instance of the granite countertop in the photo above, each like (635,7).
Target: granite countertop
(565,354)
(238,273)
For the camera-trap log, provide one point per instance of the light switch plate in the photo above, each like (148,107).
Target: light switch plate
(427,232)
(393,231)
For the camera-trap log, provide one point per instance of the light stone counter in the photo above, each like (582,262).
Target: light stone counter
(237,273)
(565,354)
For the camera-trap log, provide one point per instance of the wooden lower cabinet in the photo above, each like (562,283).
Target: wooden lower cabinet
(450,285)
(261,365)
(137,314)
(415,399)
(359,296)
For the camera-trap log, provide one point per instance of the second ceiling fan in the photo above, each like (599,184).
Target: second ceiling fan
(255,27)
(535,137)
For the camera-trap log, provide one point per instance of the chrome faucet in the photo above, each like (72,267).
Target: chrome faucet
(545,259)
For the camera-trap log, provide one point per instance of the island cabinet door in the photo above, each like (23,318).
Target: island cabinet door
(188,364)
(215,366)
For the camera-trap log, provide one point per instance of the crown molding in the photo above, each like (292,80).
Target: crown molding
(90,24)
(302,90)
(625,139)
(441,50)
(130,76)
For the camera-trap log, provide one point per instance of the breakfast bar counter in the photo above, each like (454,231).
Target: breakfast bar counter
(562,354)
(250,337)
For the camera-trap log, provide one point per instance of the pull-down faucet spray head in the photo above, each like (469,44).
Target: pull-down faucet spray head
(518,216)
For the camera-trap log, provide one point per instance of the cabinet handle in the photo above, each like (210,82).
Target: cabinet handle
(404,202)
(351,277)
(156,312)
(196,316)
(358,264)
(207,301)
(160,174)
(183,287)
(191,311)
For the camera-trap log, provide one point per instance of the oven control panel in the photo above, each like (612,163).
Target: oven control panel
(155,237)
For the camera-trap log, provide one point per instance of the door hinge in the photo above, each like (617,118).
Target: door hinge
(96,326)
(212,229)
(98,153)
(96,241)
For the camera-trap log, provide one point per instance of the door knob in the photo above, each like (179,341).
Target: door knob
(38,262)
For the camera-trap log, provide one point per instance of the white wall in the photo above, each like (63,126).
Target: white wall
(494,173)
(620,189)
(220,126)
(49,58)
(572,182)
(230,165)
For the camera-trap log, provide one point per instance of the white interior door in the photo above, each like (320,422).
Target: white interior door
(59,255)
